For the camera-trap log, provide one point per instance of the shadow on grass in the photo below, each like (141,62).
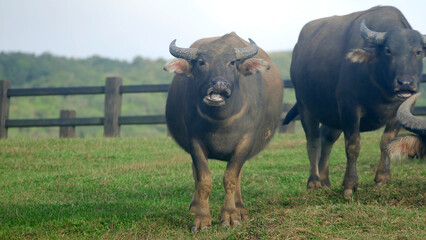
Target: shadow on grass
(146,209)
(408,192)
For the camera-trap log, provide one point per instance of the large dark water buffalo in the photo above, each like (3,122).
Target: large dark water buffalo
(351,73)
(224,103)
(409,145)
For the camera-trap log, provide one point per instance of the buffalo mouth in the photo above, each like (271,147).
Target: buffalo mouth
(216,98)
(404,93)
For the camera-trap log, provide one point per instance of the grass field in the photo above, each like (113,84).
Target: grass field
(140,188)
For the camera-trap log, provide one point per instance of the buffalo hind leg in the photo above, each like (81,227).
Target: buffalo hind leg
(203,184)
(328,138)
(383,173)
(313,145)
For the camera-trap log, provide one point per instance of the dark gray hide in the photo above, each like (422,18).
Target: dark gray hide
(224,103)
(352,76)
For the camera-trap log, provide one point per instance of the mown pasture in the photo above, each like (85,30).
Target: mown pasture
(141,187)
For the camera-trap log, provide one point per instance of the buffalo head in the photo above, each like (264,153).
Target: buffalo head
(215,68)
(398,57)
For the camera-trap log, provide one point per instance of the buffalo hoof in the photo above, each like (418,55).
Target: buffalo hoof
(195,229)
(325,183)
(201,222)
(382,178)
(230,218)
(242,212)
(314,183)
(227,224)
(348,193)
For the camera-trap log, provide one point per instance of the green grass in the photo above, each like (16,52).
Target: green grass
(140,188)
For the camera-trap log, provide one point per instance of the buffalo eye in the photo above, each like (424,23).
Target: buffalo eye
(418,53)
(388,51)
(232,63)
(201,62)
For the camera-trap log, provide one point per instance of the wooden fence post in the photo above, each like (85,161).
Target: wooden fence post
(68,131)
(4,107)
(112,106)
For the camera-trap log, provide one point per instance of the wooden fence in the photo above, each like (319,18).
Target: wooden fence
(112,119)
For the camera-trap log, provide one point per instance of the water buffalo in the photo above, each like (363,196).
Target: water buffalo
(224,103)
(352,78)
(409,145)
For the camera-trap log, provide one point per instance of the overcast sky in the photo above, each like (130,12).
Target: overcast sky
(124,29)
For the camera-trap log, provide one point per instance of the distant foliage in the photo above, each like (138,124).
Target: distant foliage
(283,61)
(47,70)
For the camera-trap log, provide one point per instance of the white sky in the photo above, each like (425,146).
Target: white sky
(124,29)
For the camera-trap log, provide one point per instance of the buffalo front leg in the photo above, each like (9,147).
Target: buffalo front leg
(241,210)
(194,202)
(203,187)
(233,211)
(383,173)
(350,181)
(229,214)
(350,118)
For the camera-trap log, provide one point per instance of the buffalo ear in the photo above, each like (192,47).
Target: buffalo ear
(360,55)
(253,65)
(178,66)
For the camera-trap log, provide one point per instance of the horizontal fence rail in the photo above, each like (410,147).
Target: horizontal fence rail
(92,121)
(55,122)
(132,120)
(112,119)
(27,92)
(145,88)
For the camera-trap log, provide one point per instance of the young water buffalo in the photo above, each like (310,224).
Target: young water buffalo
(224,103)
(350,74)
(409,145)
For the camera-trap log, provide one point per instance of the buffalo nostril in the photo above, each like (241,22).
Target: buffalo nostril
(219,84)
(404,81)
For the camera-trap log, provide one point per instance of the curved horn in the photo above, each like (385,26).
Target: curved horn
(406,118)
(371,36)
(185,53)
(247,52)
